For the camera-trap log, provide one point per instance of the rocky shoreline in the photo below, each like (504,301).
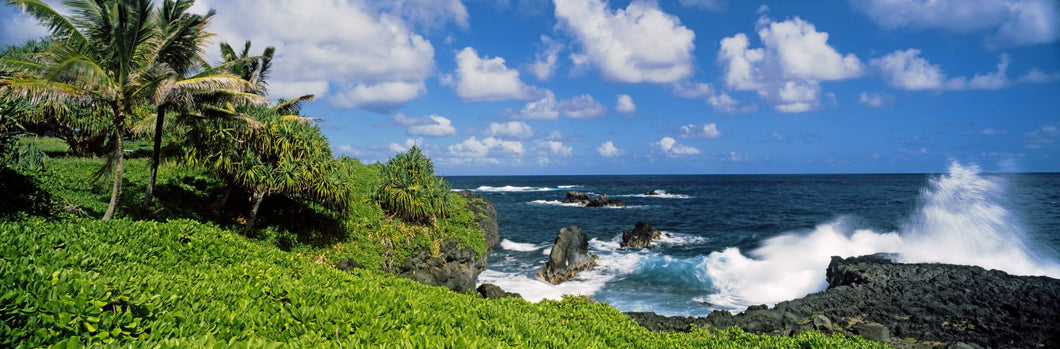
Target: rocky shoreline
(906,305)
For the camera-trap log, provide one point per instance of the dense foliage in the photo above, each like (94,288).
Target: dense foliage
(409,189)
(184,283)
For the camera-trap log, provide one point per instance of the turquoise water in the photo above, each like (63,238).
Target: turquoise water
(734,241)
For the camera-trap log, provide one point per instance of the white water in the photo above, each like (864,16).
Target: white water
(660,194)
(961,220)
(519,246)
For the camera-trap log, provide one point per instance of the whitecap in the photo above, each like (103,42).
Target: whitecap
(556,203)
(519,246)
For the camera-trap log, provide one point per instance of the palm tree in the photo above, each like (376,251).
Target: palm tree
(179,92)
(113,53)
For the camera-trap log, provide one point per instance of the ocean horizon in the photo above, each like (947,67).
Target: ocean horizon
(731,241)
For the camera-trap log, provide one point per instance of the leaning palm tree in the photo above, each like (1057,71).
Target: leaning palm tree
(177,90)
(106,52)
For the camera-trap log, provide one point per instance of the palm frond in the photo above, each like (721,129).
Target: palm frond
(59,25)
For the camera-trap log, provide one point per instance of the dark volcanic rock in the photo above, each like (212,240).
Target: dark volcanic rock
(455,267)
(575,197)
(570,255)
(491,291)
(931,303)
(641,236)
(603,201)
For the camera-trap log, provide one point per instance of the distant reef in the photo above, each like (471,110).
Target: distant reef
(907,306)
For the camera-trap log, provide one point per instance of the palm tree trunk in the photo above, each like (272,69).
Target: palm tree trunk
(259,196)
(149,194)
(119,169)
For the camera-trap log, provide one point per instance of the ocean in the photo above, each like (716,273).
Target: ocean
(731,241)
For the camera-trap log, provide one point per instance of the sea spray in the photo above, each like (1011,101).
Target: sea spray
(961,220)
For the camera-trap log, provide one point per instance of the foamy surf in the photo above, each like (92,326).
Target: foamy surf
(961,220)
(520,246)
(659,194)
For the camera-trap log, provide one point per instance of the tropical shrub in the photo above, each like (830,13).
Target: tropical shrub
(408,188)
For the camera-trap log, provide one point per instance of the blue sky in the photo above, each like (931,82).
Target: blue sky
(685,86)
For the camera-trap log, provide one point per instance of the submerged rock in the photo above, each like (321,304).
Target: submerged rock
(576,197)
(455,267)
(908,305)
(641,236)
(569,256)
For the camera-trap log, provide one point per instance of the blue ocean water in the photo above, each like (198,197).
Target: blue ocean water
(737,240)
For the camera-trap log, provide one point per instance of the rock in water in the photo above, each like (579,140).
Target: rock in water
(576,197)
(604,201)
(641,236)
(570,255)
(491,291)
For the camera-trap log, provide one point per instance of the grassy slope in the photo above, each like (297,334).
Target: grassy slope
(197,282)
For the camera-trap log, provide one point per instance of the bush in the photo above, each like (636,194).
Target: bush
(408,189)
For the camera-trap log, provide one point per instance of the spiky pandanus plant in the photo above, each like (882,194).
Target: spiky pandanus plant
(408,189)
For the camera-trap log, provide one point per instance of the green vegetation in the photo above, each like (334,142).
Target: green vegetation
(194,268)
(184,283)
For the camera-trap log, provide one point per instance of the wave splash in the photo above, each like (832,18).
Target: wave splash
(961,220)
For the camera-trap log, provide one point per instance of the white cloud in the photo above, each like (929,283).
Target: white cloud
(19,28)
(608,150)
(401,148)
(1043,136)
(1006,23)
(513,129)
(555,148)
(712,5)
(428,14)
(357,55)
(625,105)
(736,157)
(431,125)
(640,43)
(1036,75)
(548,108)
(709,131)
(905,69)
(724,103)
(481,79)
(787,69)
(544,65)
(488,147)
(669,147)
(875,99)
(693,90)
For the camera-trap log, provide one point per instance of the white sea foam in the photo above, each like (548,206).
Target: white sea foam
(568,186)
(661,194)
(676,239)
(509,188)
(519,246)
(555,203)
(587,283)
(961,220)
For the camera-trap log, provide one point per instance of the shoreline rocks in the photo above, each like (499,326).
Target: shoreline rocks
(641,236)
(455,267)
(569,256)
(906,305)
(602,200)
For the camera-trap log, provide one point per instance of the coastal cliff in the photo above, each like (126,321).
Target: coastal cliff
(906,305)
(454,266)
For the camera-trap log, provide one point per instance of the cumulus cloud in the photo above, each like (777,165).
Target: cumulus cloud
(358,55)
(640,43)
(431,125)
(19,28)
(709,131)
(788,68)
(555,148)
(724,103)
(512,129)
(544,65)
(669,147)
(549,108)
(1038,76)
(1005,23)
(693,89)
(427,14)
(875,99)
(905,69)
(480,79)
(608,150)
(625,105)
(486,148)
(401,148)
